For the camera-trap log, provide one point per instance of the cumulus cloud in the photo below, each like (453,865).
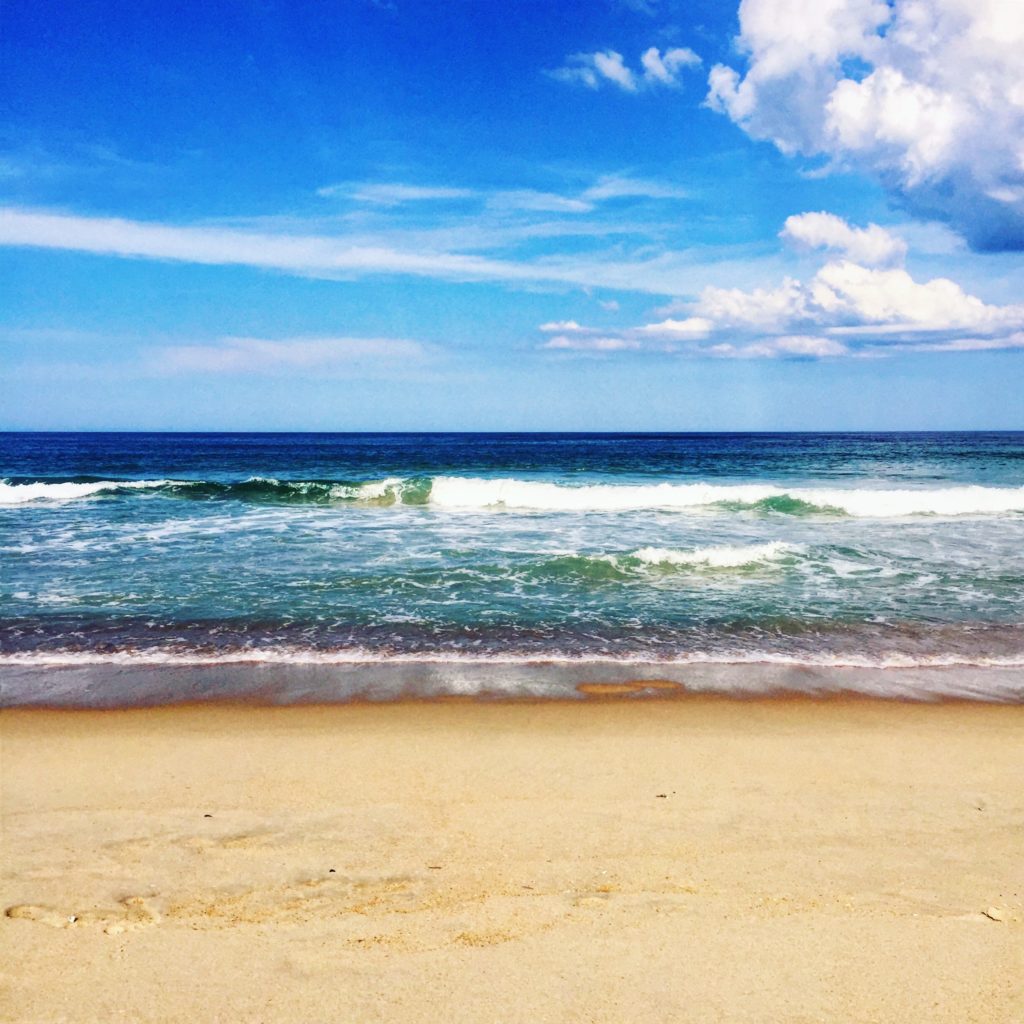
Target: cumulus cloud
(847,298)
(289,355)
(872,245)
(657,68)
(847,308)
(926,94)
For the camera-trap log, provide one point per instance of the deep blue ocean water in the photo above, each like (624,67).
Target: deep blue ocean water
(877,550)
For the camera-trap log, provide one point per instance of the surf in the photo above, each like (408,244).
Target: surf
(455,493)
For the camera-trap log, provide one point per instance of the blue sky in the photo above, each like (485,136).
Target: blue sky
(618,214)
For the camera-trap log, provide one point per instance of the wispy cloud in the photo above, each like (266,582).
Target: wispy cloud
(662,272)
(648,7)
(287,356)
(541,202)
(605,188)
(619,186)
(309,254)
(608,67)
(393,193)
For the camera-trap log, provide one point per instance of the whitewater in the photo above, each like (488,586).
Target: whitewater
(545,496)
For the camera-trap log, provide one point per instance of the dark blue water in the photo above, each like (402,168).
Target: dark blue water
(801,549)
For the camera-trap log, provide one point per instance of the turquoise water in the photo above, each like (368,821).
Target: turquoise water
(886,550)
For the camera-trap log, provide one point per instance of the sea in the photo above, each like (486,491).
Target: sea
(146,568)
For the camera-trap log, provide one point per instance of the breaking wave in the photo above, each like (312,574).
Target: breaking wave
(720,557)
(22,493)
(387,491)
(468,493)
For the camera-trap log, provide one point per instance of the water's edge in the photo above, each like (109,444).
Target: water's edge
(112,686)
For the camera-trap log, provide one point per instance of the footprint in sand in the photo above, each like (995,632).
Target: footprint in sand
(44,915)
(135,912)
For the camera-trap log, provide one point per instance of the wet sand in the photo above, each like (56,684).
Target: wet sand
(606,860)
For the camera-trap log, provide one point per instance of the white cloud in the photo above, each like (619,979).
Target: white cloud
(308,254)
(335,257)
(760,309)
(872,245)
(591,69)
(870,296)
(610,65)
(561,326)
(543,202)
(927,94)
(691,327)
(604,188)
(847,297)
(845,309)
(664,67)
(794,345)
(620,186)
(392,194)
(290,355)
(598,344)
(656,68)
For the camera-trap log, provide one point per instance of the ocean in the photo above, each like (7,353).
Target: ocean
(145,567)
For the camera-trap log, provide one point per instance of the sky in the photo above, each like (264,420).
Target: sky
(472,215)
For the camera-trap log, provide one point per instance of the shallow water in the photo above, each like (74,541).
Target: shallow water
(869,551)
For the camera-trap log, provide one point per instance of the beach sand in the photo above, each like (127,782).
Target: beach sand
(656,860)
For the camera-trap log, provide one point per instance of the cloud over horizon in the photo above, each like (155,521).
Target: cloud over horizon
(848,308)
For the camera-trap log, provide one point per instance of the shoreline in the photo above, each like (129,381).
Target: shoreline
(611,694)
(115,685)
(690,859)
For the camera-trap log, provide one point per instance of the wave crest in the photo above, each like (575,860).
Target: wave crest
(719,557)
(542,496)
(20,494)
(468,493)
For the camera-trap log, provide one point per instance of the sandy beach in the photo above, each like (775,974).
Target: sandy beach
(684,860)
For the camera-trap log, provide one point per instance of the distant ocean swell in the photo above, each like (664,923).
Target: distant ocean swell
(469,493)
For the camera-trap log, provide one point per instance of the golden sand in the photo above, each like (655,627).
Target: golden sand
(679,860)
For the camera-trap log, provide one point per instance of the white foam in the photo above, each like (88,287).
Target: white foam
(544,496)
(285,655)
(373,489)
(723,557)
(19,494)
(474,492)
